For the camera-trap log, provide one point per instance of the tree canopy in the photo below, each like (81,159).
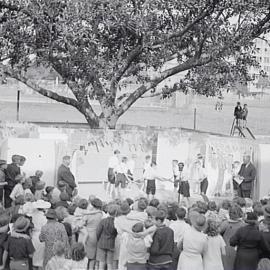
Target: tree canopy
(97,46)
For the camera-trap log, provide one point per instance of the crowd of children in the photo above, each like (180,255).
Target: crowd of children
(54,232)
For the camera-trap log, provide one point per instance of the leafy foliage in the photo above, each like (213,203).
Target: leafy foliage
(97,45)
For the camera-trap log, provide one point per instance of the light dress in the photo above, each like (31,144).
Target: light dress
(212,258)
(39,220)
(194,245)
(78,265)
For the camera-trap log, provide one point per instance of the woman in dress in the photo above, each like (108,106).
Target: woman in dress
(91,222)
(52,232)
(227,229)
(194,244)
(39,220)
(248,241)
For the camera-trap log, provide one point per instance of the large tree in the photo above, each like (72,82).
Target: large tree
(99,46)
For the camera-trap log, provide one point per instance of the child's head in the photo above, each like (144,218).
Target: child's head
(83,204)
(148,223)
(3,164)
(40,185)
(64,197)
(29,197)
(129,201)
(77,252)
(212,206)
(71,209)
(141,205)
(97,203)
(113,210)
(238,103)
(124,159)
(202,206)
(22,160)
(16,159)
(235,212)
(61,213)
(38,173)
(138,227)
(151,211)
(49,189)
(160,217)
(154,203)
(19,179)
(258,209)
(226,204)
(59,249)
(212,228)
(181,213)
(27,183)
(241,202)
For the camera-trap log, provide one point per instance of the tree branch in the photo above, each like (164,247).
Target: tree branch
(131,57)
(41,90)
(132,98)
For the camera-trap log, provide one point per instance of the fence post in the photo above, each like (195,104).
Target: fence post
(195,118)
(18,106)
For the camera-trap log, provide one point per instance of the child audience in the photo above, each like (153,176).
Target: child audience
(50,230)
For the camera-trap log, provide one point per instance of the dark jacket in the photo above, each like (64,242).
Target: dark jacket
(11,172)
(65,175)
(106,234)
(238,112)
(249,242)
(162,247)
(249,174)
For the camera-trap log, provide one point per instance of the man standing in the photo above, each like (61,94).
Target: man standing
(247,174)
(66,176)
(12,171)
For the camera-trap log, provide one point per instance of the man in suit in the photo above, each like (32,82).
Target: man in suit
(12,170)
(66,176)
(248,174)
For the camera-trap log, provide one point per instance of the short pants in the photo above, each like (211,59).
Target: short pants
(151,187)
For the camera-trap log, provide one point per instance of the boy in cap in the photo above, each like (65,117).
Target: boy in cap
(161,251)
(35,179)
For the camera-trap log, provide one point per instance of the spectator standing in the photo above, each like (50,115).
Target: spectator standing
(238,113)
(244,115)
(12,171)
(3,167)
(248,242)
(106,234)
(161,250)
(52,232)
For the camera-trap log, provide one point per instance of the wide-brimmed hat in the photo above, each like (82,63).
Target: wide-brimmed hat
(51,214)
(21,224)
(40,204)
(3,162)
(124,208)
(40,185)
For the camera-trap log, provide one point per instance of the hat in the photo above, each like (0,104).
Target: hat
(251,218)
(21,224)
(40,185)
(51,214)
(40,204)
(266,211)
(125,209)
(2,162)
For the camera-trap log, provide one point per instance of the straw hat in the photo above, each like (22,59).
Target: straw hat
(21,224)
(40,204)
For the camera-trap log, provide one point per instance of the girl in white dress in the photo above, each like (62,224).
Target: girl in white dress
(212,258)
(194,244)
